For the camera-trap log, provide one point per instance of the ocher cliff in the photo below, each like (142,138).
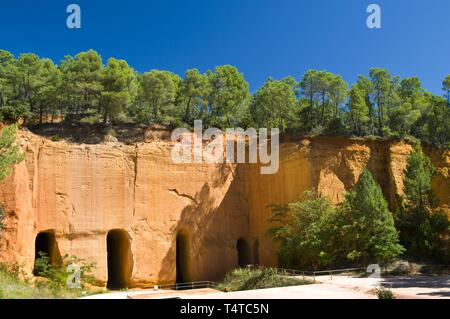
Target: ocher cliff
(81,192)
(332,165)
(160,210)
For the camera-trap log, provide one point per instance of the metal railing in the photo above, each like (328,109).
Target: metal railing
(361,270)
(185,285)
(282,271)
(310,273)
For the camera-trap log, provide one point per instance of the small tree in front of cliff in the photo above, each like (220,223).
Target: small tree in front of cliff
(366,230)
(304,230)
(9,155)
(419,219)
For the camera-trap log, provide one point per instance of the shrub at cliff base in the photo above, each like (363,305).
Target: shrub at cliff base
(15,285)
(260,278)
(384,293)
(305,231)
(57,275)
(51,283)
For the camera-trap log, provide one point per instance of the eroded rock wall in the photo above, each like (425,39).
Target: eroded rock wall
(81,192)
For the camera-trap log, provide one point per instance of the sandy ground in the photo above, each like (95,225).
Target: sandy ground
(419,287)
(337,287)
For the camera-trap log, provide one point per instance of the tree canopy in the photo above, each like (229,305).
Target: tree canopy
(421,222)
(84,88)
(313,234)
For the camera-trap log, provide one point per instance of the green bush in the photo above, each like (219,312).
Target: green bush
(312,234)
(15,270)
(14,284)
(260,278)
(55,138)
(366,227)
(383,293)
(10,152)
(110,131)
(16,287)
(57,275)
(305,231)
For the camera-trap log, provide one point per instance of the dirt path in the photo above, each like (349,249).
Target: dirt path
(337,287)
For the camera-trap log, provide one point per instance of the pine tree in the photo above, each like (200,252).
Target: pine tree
(419,219)
(418,177)
(359,113)
(368,230)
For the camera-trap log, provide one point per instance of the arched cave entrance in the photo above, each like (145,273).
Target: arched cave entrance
(243,252)
(120,260)
(45,243)
(183,247)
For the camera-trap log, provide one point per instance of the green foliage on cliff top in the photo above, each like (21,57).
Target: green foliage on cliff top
(14,284)
(85,88)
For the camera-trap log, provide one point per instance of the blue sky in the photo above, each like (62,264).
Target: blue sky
(262,38)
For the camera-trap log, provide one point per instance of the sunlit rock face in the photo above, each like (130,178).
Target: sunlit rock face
(144,219)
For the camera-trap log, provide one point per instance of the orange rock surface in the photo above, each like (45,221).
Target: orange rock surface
(81,192)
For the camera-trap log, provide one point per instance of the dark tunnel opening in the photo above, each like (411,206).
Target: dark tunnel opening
(243,252)
(182,258)
(45,244)
(120,261)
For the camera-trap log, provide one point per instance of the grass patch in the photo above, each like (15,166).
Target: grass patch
(12,287)
(51,283)
(259,278)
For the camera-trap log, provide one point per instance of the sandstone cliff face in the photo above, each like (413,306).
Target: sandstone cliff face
(81,192)
(197,212)
(331,166)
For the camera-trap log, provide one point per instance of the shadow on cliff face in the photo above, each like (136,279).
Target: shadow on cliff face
(205,237)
